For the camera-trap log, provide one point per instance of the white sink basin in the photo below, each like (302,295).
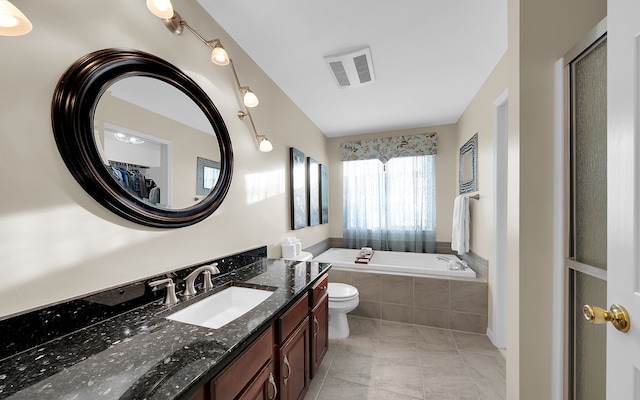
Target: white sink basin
(221,308)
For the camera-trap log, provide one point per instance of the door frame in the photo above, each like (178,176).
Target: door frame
(497,333)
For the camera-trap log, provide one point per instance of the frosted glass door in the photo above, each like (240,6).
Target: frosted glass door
(586,262)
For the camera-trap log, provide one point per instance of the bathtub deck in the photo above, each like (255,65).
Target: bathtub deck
(394,263)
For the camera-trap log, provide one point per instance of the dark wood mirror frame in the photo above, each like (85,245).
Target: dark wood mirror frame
(74,102)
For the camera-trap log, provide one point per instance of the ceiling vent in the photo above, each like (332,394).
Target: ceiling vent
(351,69)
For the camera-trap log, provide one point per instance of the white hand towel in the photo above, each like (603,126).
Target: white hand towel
(460,226)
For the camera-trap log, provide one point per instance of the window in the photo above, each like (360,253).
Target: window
(390,206)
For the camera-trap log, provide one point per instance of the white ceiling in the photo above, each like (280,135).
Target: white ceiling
(430,57)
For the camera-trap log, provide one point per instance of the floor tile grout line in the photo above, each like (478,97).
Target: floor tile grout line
(466,368)
(326,375)
(324,378)
(422,382)
(372,387)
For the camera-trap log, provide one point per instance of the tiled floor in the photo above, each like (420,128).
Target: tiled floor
(384,360)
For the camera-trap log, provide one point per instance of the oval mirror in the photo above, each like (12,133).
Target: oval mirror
(142,138)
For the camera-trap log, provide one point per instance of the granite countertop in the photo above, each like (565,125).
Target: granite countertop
(141,354)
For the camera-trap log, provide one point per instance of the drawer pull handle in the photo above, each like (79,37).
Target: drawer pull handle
(323,288)
(315,321)
(286,362)
(275,387)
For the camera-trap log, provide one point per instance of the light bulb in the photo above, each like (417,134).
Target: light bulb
(265,145)
(161,8)
(250,98)
(8,21)
(219,55)
(128,139)
(12,21)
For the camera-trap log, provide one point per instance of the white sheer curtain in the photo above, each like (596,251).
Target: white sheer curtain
(390,206)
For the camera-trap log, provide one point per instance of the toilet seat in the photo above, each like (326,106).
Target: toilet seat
(341,292)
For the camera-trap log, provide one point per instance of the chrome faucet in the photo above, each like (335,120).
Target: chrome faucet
(207,271)
(170,298)
(454,265)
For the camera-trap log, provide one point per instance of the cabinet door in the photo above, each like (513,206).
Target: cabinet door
(294,364)
(200,394)
(263,387)
(319,333)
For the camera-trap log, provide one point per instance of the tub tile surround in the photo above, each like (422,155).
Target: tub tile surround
(121,356)
(387,360)
(442,302)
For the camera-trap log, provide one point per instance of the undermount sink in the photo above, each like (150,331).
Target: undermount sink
(221,308)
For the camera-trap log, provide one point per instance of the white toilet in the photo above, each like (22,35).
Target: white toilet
(343,298)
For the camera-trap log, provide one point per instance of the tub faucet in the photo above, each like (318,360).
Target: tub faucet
(454,265)
(170,298)
(207,271)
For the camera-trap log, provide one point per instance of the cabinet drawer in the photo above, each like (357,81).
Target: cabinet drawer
(290,319)
(319,290)
(241,371)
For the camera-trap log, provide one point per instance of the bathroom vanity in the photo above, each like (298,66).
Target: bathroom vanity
(269,352)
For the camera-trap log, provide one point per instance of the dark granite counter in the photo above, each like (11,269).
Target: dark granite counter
(140,354)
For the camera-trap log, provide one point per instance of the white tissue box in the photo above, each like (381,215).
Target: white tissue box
(288,250)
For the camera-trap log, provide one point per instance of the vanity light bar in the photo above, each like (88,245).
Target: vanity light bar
(219,56)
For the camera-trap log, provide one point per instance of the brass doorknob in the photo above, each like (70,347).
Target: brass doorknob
(617,315)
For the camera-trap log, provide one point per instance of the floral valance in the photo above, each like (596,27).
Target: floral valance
(385,149)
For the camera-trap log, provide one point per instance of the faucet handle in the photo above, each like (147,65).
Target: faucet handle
(213,269)
(170,298)
(207,271)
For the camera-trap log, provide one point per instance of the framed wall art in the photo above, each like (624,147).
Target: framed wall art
(298,189)
(313,191)
(324,194)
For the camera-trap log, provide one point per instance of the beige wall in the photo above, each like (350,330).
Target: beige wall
(56,242)
(540,32)
(445,174)
(478,118)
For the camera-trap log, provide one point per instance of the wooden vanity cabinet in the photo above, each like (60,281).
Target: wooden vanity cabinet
(263,386)
(293,352)
(250,375)
(279,363)
(201,394)
(319,323)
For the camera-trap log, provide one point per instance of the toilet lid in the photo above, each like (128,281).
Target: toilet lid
(341,291)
